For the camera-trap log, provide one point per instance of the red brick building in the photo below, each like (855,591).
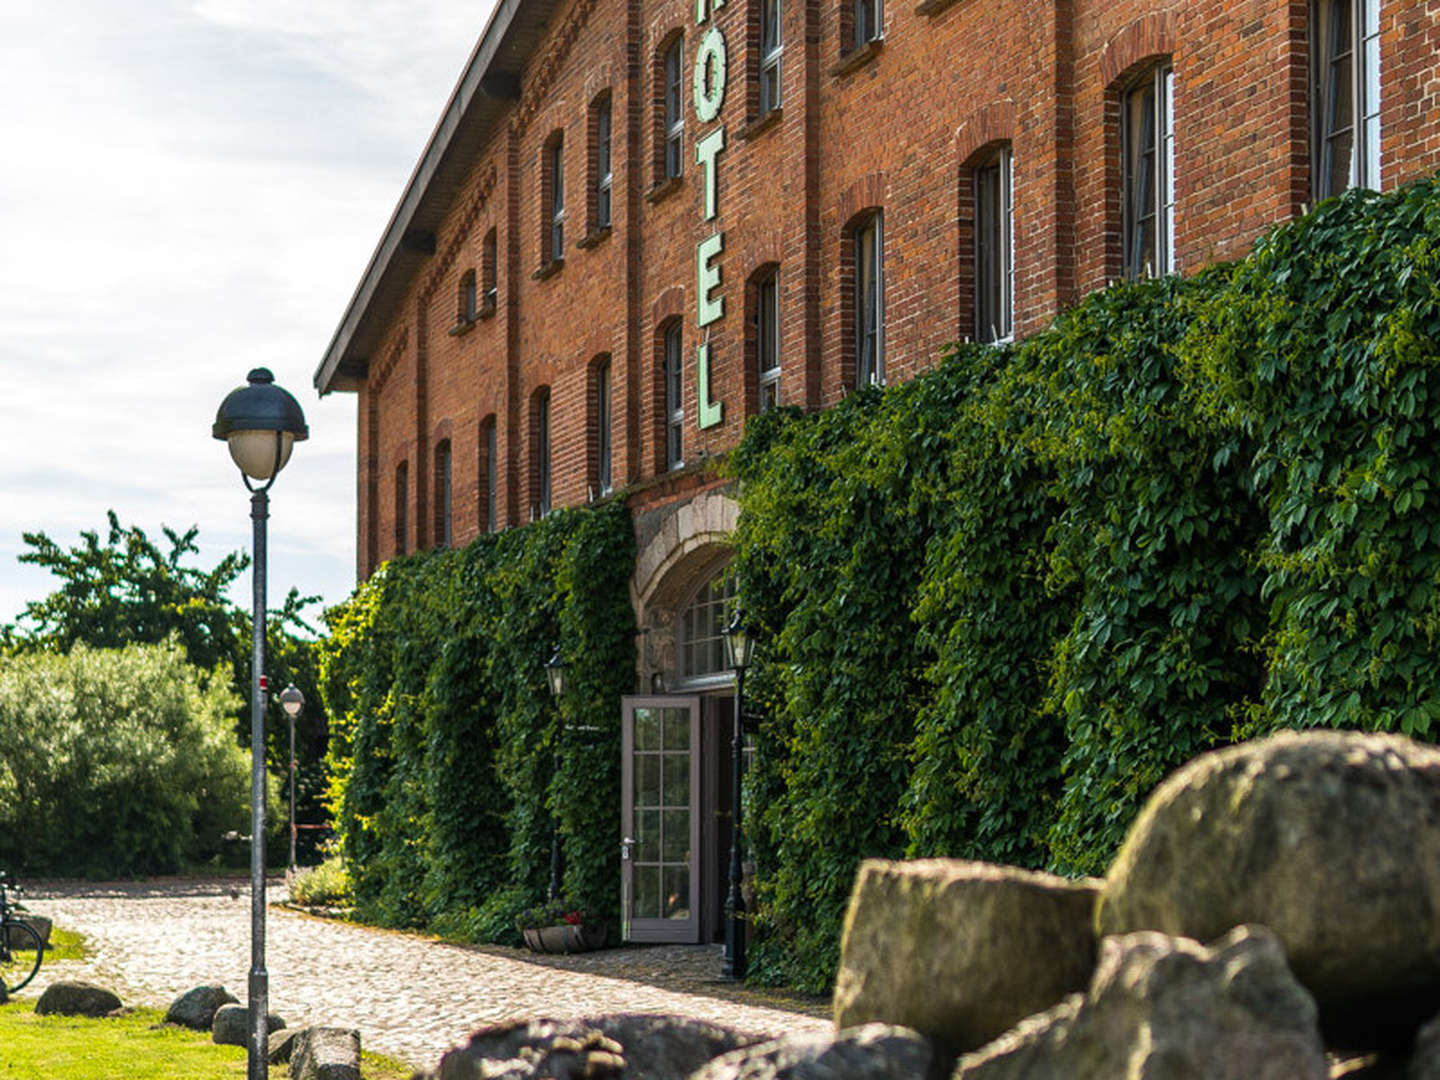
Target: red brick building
(638,223)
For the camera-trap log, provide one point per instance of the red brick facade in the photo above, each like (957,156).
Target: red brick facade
(897,126)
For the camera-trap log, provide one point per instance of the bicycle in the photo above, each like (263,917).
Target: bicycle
(21,949)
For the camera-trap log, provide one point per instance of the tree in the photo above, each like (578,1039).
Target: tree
(127,591)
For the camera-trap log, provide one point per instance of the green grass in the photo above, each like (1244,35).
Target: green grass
(66,945)
(137,1047)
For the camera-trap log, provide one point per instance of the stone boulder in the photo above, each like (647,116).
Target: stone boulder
(76,999)
(1161,1006)
(325,1053)
(1331,839)
(231,1026)
(282,1045)
(642,1046)
(39,923)
(961,951)
(196,1008)
(869,1052)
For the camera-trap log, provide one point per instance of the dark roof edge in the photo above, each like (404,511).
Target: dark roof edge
(328,375)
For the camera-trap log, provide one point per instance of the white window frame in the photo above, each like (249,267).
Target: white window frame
(604,169)
(995,248)
(674,396)
(772,48)
(767,340)
(674,68)
(1147,166)
(1345,95)
(869,301)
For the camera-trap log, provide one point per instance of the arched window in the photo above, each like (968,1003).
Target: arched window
(540,491)
(442,494)
(1147,158)
(402,506)
(489,478)
(700,641)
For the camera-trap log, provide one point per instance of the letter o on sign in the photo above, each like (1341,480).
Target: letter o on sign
(710,75)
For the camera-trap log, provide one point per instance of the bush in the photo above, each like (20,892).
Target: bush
(326,884)
(116,762)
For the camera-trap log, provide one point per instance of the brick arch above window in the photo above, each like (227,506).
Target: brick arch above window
(1144,41)
(669,304)
(861,199)
(983,130)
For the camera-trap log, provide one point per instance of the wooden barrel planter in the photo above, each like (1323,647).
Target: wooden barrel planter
(565,938)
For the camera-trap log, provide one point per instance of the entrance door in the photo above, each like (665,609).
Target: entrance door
(659,854)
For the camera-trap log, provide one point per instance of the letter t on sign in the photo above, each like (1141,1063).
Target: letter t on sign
(705,150)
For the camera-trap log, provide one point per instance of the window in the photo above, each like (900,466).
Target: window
(540,452)
(702,644)
(603,419)
(489,519)
(490,269)
(994,248)
(674,398)
(1147,149)
(770,50)
(869,301)
(402,506)
(554,192)
(865,18)
(1345,85)
(674,114)
(442,494)
(465,301)
(603,175)
(767,339)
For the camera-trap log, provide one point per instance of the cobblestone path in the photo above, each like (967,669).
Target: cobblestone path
(411,997)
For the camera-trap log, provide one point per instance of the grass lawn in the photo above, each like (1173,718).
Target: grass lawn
(136,1047)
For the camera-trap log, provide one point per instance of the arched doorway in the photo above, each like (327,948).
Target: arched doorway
(676,811)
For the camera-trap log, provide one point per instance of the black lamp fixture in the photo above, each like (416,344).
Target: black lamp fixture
(555,674)
(293,702)
(738,646)
(260,423)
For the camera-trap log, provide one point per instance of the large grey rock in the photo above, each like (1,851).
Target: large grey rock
(39,923)
(282,1045)
(961,951)
(231,1026)
(76,999)
(641,1046)
(325,1053)
(1165,1007)
(869,1052)
(196,1008)
(1331,839)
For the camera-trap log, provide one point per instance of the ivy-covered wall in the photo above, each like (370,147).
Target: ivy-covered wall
(998,604)
(443,728)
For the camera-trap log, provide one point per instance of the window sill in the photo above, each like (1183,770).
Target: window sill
(856,57)
(463,325)
(932,7)
(761,124)
(594,238)
(665,190)
(548,269)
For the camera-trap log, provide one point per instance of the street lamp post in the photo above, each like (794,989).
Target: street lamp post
(293,702)
(738,645)
(555,676)
(260,423)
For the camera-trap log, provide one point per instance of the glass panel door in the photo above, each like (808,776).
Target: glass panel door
(659,867)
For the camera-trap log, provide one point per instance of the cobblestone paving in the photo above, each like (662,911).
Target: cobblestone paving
(411,997)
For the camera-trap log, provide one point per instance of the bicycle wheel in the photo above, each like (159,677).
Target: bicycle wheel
(20,955)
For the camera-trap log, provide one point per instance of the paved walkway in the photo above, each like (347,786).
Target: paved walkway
(411,997)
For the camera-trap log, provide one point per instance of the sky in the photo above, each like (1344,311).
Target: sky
(190,189)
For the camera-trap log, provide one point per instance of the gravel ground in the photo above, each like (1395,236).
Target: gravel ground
(411,996)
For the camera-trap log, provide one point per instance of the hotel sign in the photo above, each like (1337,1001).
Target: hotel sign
(710,72)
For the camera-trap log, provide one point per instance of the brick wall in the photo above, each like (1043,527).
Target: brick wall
(897,126)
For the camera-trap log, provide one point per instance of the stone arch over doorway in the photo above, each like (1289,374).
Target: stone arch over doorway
(680,550)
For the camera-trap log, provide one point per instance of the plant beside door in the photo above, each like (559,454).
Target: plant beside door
(559,927)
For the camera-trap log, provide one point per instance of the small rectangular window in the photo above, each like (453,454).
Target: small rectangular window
(604,174)
(557,199)
(442,495)
(1345,85)
(767,340)
(602,427)
(674,113)
(1147,145)
(490,268)
(866,15)
(771,49)
(542,453)
(994,246)
(674,398)
(869,301)
(467,298)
